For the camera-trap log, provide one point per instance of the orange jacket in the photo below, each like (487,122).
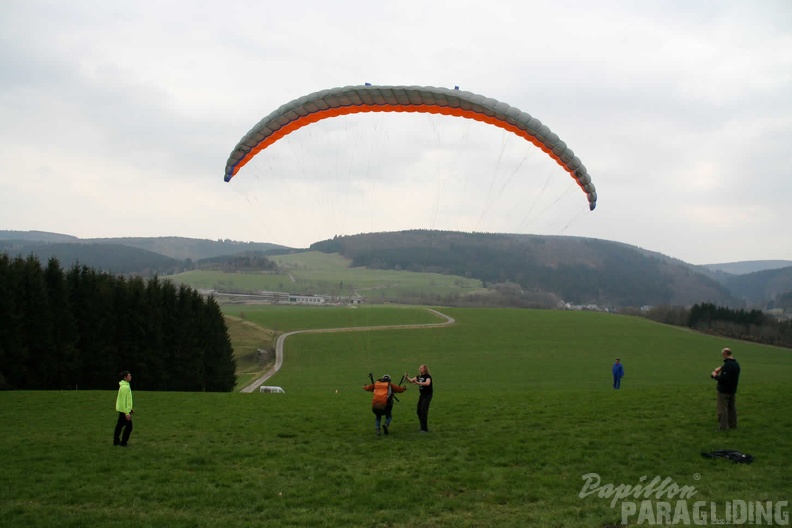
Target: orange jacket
(383,393)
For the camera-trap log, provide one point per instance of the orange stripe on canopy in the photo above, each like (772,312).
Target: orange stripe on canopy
(361,99)
(428,109)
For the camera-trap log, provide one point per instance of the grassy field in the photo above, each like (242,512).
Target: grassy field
(286,318)
(330,274)
(254,327)
(523,410)
(247,339)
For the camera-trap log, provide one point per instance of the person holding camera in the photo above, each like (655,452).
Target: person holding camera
(426,390)
(727,376)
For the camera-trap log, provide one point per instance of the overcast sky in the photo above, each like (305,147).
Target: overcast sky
(117,118)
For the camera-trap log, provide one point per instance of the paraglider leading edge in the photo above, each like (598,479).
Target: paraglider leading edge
(426,99)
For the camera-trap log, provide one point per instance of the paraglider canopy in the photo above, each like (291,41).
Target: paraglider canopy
(368,98)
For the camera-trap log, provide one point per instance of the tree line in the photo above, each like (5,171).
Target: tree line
(78,328)
(748,325)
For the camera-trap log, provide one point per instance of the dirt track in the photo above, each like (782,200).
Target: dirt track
(282,338)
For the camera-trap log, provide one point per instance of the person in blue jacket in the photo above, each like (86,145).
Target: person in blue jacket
(618,373)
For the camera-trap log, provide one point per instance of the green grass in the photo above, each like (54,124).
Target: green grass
(278,319)
(330,274)
(523,409)
(247,339)
(286,318)
(239,282)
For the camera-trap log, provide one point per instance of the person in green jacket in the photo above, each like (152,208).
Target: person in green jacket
(125,411)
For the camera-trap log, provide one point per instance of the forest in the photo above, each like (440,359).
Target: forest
(78,328)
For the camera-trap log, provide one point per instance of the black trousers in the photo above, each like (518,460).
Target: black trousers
(423,410)
(126,426)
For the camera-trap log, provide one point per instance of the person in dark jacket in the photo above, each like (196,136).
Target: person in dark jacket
(382,401)
(727,376)
(426,389)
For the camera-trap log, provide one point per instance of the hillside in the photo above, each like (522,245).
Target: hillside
(36,236)
(112,258)
(141,256)
(760,285)
(192,248)
(179,248)
(749,266)
(577,270)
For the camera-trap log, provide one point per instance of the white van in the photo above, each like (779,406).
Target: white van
(271,389)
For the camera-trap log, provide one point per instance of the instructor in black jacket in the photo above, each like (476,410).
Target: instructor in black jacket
(426,388)
(727,376)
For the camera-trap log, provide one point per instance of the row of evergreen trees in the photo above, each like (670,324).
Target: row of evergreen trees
(753,325)
(78,329)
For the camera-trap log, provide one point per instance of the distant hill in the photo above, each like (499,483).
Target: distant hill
(178,248)
(141,256)
(112,258)
(578,270)
(762,285)
(749,266)
(36,236)
(193,248)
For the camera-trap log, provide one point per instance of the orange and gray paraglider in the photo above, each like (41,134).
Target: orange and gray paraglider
(426,99)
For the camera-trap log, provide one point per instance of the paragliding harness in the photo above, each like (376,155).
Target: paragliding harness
(734,456)
(379,393)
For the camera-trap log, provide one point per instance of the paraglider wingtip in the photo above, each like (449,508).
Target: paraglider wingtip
(227,177)
(592,206)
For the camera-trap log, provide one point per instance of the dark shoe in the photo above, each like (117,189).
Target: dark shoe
(424,430)
(385,429)
(123,444)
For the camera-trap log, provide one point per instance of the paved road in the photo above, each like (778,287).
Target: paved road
(282,338)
